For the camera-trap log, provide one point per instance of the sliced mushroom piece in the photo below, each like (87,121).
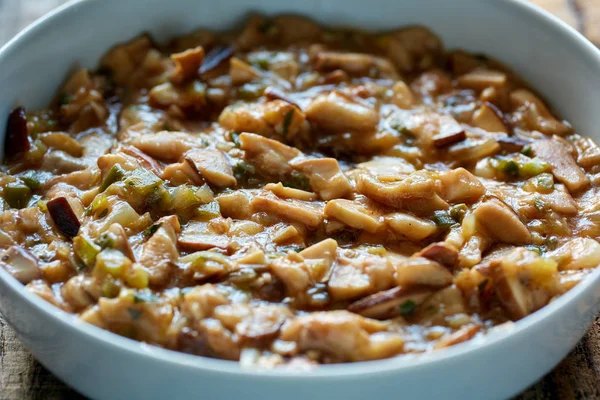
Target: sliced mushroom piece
(447,137)
(267,154)
(501,222)
(354,63)
(197,236)
(167,146)
(441,252)
(159,254)
(21,264)
(460,186)
(564,167)
(120,240)
(472,149)
(325,250)
(462,335)
(293,210)
(337,113)
(241,72)
(388,303)
(16,140)
(144,160)
(273,93)
(489,118)
(62,141)
(536,114)
(325,177)
(213,166)
(414,192)
(360,276)
(187,64)
(418,270)
(588,152)
(524,281)
(354,215)
(290,193)
(235,204)
(387,169)
(63,216)
(214,58)
(411,227)
(513,143)
(578,253)
(480,79)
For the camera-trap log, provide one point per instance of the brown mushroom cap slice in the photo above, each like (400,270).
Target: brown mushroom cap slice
(512,294)
(387,303)
(21,264)
(501,222)
(214,58)
(442,253)
(16,140)
(63,216)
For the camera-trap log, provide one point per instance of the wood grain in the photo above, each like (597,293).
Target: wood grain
(576,377)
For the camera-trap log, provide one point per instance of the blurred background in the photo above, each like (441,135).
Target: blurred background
(576,377)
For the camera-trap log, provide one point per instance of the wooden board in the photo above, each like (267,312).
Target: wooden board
(576,377)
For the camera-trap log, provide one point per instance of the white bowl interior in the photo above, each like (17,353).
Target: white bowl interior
(553,58)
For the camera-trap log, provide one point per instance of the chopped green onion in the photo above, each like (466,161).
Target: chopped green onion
(287,120)
(534,167)
(206,212)
(297,180)
(443,219)
(408,307)
(17,194)
(86,250)
(235,138)
(458,211)
(527,151)
(152,230)
(115,174)
(144,297)
(31,179)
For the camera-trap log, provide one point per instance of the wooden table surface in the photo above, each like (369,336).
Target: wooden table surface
(576,377)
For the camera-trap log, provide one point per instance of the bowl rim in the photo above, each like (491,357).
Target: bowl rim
(144,351)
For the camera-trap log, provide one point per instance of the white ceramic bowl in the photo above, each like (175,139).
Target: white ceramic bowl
(555,59)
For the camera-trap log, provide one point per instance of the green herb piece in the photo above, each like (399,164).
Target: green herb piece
(111,262)
(186,198)
(408,307)
(105,241)
(544,182)
(535,248)
(100,203)
(527,151)
(262,63)
(86,250)
(235,138)
(17,194)
(151,230)
(110,288)
(297,180)
(251,91)
(144,297)
(243,171)
(287,120)
(443,219)
(31,179)
(534,167)
(510,168)
(115,174)
(401,128)
(458,211)
(206,212)
(207,263)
